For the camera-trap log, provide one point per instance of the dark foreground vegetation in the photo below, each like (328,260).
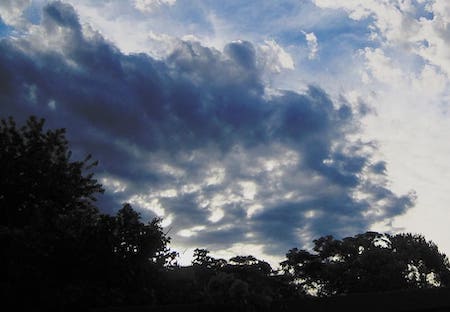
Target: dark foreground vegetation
(58,251)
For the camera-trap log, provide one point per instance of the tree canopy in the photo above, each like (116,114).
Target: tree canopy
(57,248)
(368,262)
(39,183)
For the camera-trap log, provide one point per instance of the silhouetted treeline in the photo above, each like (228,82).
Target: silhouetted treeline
(59,251)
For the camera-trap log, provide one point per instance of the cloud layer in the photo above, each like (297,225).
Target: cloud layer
(198,137)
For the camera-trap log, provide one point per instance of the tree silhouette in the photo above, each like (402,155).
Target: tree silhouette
(368,262)
(243,280)
(57,250)
(202,259)
(39,183)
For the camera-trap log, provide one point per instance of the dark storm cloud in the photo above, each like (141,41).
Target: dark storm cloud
(196,138)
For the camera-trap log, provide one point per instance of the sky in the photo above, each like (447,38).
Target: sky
(249,127)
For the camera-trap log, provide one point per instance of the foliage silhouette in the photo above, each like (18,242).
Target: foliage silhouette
(367,262)
(39,184)
(57,249)
(243,281)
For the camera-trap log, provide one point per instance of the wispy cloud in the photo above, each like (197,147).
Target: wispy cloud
(313,45)
(151,5)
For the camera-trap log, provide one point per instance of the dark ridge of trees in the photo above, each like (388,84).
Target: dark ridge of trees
(59,252)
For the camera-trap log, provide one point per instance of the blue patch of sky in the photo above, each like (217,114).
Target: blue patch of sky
(33,13)
(346,31)
(428,15)
(425,43)
(344,39)
(181,19)
(190,14)
(260,20)
(254,14)
(421,10)
(5,30)
(339,40)
(336,27)
(340,37)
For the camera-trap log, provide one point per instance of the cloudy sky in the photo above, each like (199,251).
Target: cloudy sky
(250,127)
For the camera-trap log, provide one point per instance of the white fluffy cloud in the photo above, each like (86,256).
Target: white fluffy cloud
(274,57)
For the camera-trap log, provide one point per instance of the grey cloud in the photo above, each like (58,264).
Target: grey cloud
(243,53)
(195,138)
(62,14)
